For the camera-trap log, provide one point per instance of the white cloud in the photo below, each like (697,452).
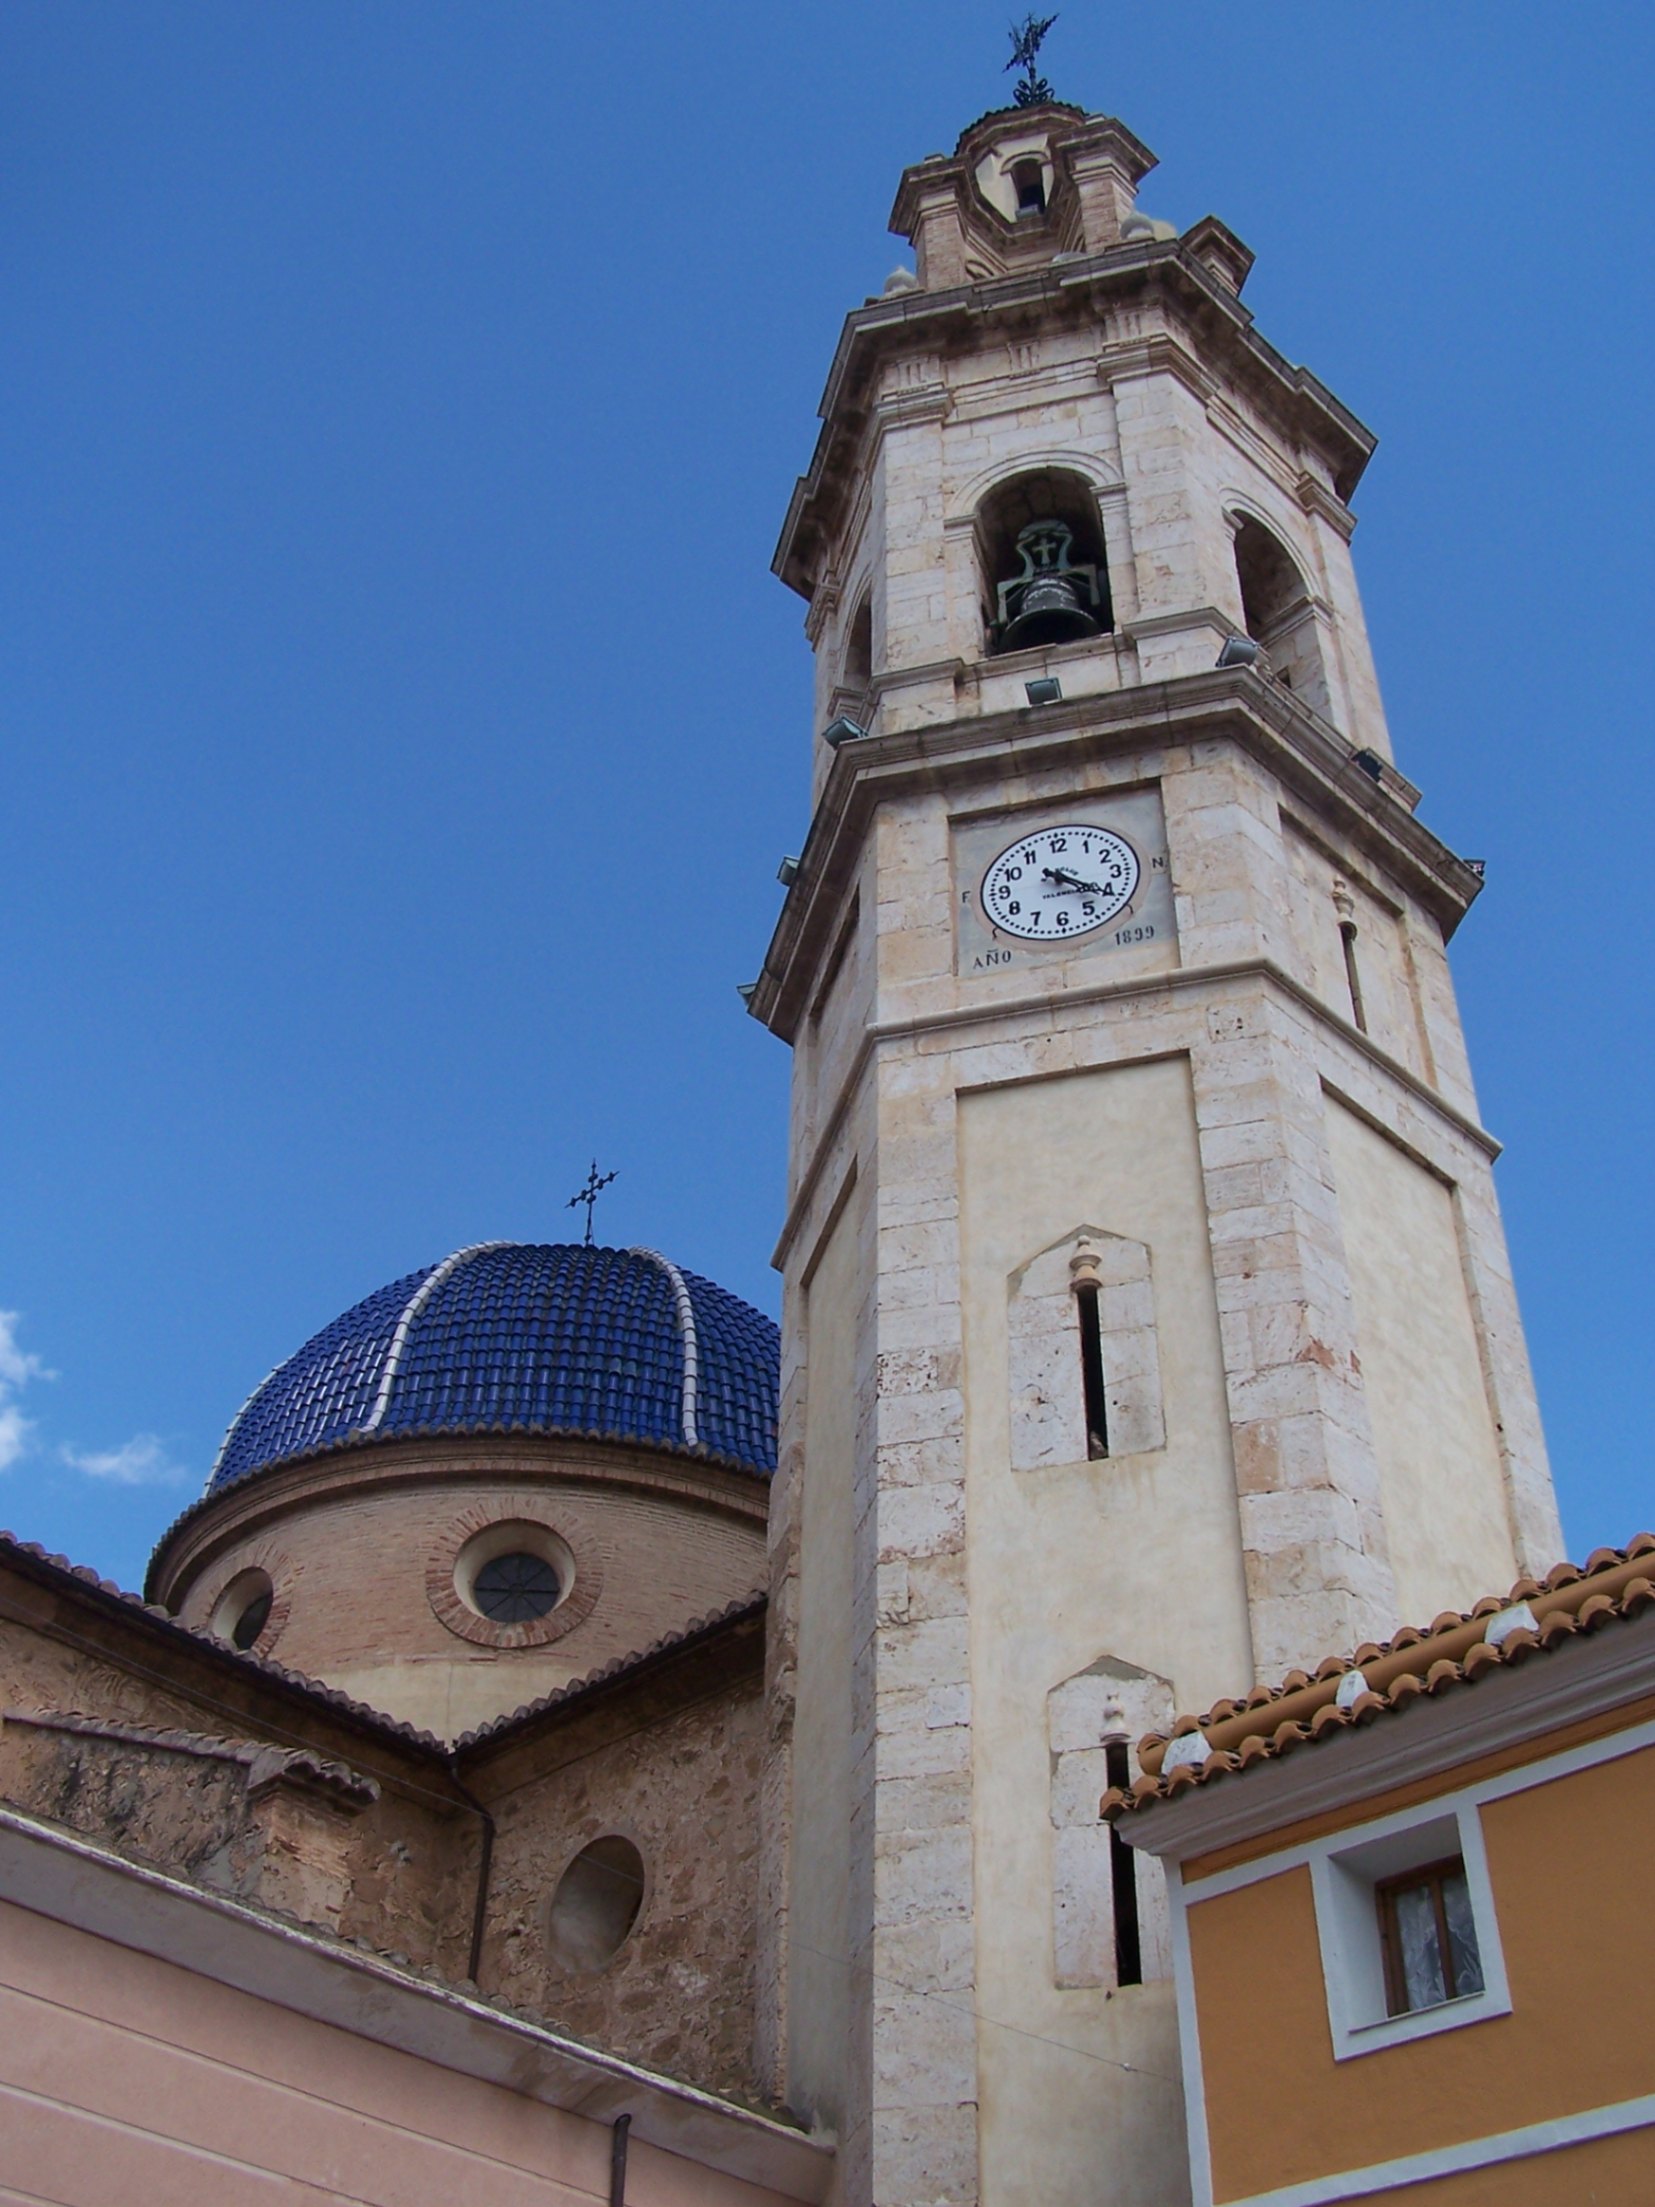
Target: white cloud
(17,1367)
(141,1462)
(14,1434)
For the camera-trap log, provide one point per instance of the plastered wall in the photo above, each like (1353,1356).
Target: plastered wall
(1441,1480)
(1070,1563)
(123,2077)
(1552,2055)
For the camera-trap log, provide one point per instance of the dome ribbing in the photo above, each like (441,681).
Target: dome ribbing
(528,1337)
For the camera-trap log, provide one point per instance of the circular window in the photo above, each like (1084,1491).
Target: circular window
(243,1609)
(596,1904)
(513,1572)
(516,1586)
(510,1582)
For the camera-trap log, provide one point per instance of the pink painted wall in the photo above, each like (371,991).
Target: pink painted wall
(124,2078)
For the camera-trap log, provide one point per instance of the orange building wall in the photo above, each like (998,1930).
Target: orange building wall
(1569,1868)
(124,2078)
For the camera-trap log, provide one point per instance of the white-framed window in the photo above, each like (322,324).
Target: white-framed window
(1405,1915)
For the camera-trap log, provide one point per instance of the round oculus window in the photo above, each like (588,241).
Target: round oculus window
(595,1905)
(252,1621)
(513,1584)
(243,1609)
(514,1588)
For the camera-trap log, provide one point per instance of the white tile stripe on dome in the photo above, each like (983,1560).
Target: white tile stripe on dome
(230,1430)
(411,1310)
(692,1343)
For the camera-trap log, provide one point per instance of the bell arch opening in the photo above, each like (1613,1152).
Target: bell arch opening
(1277,612)
(1040,550)
(856,667)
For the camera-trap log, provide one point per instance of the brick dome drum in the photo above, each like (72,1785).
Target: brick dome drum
(525,1337)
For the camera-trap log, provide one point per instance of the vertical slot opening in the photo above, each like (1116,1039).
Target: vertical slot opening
(1353,977)
(1123,1877)
(1091,1370)
(1029,181)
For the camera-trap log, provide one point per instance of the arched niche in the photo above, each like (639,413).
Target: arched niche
(1279,612)
(1039,495)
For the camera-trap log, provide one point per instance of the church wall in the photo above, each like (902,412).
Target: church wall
(644,1565)
(406,1863)
(1071,1563)
(126,2077)
(683,1787)
(1439,1459)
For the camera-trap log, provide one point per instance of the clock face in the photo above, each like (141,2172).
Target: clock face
(1060,882)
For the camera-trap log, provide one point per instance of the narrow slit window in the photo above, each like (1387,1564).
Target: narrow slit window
(1123,1875)
(1429,1938)
(1091,1370)
(1353,974)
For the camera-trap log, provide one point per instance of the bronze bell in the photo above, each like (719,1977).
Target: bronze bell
(1054,598)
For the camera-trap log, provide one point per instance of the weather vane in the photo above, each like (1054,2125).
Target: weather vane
(1026,39)
(595,1185)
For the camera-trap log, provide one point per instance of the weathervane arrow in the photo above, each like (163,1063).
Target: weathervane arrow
(1026,40)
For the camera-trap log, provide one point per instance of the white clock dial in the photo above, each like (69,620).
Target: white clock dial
(1057,883)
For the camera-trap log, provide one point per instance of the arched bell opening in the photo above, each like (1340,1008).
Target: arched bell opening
(1044,575)
(1277,612)
(856,667)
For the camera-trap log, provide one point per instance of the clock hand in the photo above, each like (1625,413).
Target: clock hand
(1067,880)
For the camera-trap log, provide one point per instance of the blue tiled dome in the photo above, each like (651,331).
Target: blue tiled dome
(526,1337)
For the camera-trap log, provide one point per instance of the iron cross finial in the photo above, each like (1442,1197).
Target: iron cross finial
(1026,38)
(595,1185)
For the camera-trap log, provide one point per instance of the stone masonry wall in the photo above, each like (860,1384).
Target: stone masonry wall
(684,1789)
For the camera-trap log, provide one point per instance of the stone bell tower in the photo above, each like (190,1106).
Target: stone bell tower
(1148,1322)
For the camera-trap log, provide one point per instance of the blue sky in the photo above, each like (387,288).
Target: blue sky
(401,724)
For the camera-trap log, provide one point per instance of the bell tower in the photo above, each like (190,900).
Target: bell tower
(1148,1322)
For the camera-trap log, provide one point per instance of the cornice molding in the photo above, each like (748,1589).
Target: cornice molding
(224,1519)
(1083,284)
(1315,497)
(1307,756)
(1037,1008)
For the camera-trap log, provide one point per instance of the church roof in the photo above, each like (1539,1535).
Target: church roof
(525,1336)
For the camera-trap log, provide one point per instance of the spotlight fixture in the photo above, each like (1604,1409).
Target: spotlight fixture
(788,872)
(1045,689)
(842,730)
(747,990)
(1371,764)
(1239,651)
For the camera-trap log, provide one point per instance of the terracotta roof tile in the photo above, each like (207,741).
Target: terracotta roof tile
(1455,1650)
(610,1673)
